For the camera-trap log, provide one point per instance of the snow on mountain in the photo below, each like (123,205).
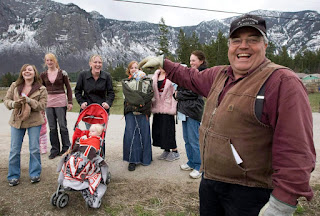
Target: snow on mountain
(31,28)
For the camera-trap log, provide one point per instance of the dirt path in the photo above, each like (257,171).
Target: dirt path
(158,169)
(152,176)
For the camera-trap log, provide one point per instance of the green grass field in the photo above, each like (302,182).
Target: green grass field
(314,99)
(117,107)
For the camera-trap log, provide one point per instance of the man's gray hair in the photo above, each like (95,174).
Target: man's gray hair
(265,39)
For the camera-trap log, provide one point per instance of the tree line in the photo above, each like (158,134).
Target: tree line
(216,52)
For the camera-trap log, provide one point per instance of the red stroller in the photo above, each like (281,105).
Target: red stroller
(93,114)
(77,172)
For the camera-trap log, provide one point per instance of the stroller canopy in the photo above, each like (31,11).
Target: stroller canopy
(93,114)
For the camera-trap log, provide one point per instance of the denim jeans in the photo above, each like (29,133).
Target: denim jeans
(17,136)
(58,115)
(219,198)
(190,129)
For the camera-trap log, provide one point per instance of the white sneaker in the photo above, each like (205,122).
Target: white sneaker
(185,167)
(195,174)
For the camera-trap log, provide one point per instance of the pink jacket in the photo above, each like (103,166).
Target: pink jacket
(164,104)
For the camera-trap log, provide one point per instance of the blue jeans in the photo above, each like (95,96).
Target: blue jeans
(15,152)
(190,129)
(58,115)
(220,198)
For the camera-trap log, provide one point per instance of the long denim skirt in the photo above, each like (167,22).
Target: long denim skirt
(137,139)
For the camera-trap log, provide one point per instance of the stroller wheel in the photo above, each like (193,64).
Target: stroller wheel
(89,205)
(53,199)
(99,204)
(62,200)
(108,178)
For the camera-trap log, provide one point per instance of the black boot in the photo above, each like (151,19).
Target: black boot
(131,167)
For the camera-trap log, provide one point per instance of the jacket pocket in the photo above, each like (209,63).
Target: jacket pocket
(218,159)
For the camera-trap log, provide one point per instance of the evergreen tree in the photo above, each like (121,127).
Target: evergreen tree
(118,73)
(311,62)
(109,68)
(271,50)
(209,52)
(73,76)
(183,48)
(317,68)
(284,58)
(217,51)
(298,63)
(163,38)
(7,79)
(194,43)
(221,49)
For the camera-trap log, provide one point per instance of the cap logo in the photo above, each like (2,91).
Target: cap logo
(248,21)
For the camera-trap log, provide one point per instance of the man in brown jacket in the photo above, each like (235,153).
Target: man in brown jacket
(254,160)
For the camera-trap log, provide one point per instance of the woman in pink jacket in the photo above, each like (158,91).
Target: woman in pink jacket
(164,107)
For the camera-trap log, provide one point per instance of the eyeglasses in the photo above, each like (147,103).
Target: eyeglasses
(252,40)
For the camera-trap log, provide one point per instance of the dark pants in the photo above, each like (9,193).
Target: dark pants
(58,115)
(219,198)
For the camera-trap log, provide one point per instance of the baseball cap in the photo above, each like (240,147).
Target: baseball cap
(249,20)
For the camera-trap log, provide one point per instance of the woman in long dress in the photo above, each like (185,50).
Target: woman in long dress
(137,139)
(164,108)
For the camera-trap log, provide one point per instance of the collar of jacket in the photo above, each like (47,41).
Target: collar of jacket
(46,72)
(202,67)
(35,87)
(102,75)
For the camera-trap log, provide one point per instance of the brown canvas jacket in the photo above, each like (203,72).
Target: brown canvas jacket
(38,102)
(234,122)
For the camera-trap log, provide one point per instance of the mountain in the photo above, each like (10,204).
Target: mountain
(31,28)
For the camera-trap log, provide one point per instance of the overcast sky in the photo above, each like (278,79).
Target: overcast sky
(122,10)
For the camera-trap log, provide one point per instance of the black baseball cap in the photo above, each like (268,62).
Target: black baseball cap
(249,20)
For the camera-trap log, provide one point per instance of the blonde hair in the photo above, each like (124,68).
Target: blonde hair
(97,127)
(53,58)
(129,66)
(20,79)
(92,57)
